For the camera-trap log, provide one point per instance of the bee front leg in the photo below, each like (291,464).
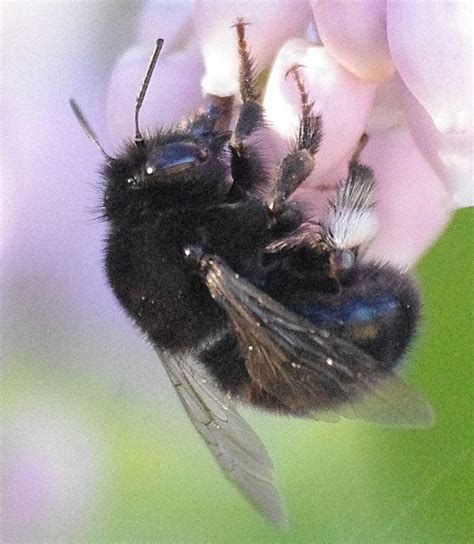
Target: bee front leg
(248,170)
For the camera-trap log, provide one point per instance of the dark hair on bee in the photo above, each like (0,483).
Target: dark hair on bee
(243,297)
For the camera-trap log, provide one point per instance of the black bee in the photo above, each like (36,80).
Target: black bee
(243,297)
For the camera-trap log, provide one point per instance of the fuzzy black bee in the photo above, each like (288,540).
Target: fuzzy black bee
(243,297)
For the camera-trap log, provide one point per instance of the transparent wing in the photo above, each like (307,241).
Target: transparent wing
(311,370)
(234,444)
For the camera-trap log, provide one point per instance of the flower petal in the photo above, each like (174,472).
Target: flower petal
(431,45)
(171,21)
(388,110)
(174,91)
(270,25)
(355,34)
(412,203)
(450,155)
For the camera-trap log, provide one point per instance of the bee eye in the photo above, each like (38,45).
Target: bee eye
(175,157)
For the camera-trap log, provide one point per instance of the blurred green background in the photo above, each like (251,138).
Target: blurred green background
(148,478)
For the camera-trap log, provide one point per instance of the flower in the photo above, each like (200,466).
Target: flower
(370,66)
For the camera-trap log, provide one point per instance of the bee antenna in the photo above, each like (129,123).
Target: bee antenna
(143,89)
(86,127)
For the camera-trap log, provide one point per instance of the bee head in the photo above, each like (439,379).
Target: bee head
(174,169)
(179,168)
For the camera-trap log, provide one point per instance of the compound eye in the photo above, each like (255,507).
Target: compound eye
(175,158)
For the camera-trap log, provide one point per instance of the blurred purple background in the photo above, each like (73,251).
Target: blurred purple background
(56,306)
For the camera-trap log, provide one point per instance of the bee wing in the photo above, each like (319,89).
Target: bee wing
(234,444)
(309,369)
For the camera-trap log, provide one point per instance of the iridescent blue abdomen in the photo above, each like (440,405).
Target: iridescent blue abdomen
(376,308)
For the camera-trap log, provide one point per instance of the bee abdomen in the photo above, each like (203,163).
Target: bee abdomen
(377,309)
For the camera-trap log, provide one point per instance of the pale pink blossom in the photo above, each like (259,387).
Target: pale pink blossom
(368,67)
(270,25)
(355,33)
(450,154)
(413,205)
(350,72)
(431,47)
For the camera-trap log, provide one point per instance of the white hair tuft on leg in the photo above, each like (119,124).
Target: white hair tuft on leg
(351,220)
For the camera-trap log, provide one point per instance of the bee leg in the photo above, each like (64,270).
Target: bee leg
(351,223)
(247,166)
(249,91)
(299,162)
(215,119)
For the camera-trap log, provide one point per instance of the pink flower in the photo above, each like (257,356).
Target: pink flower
(371,66)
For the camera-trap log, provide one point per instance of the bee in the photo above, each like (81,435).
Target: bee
(243,298)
